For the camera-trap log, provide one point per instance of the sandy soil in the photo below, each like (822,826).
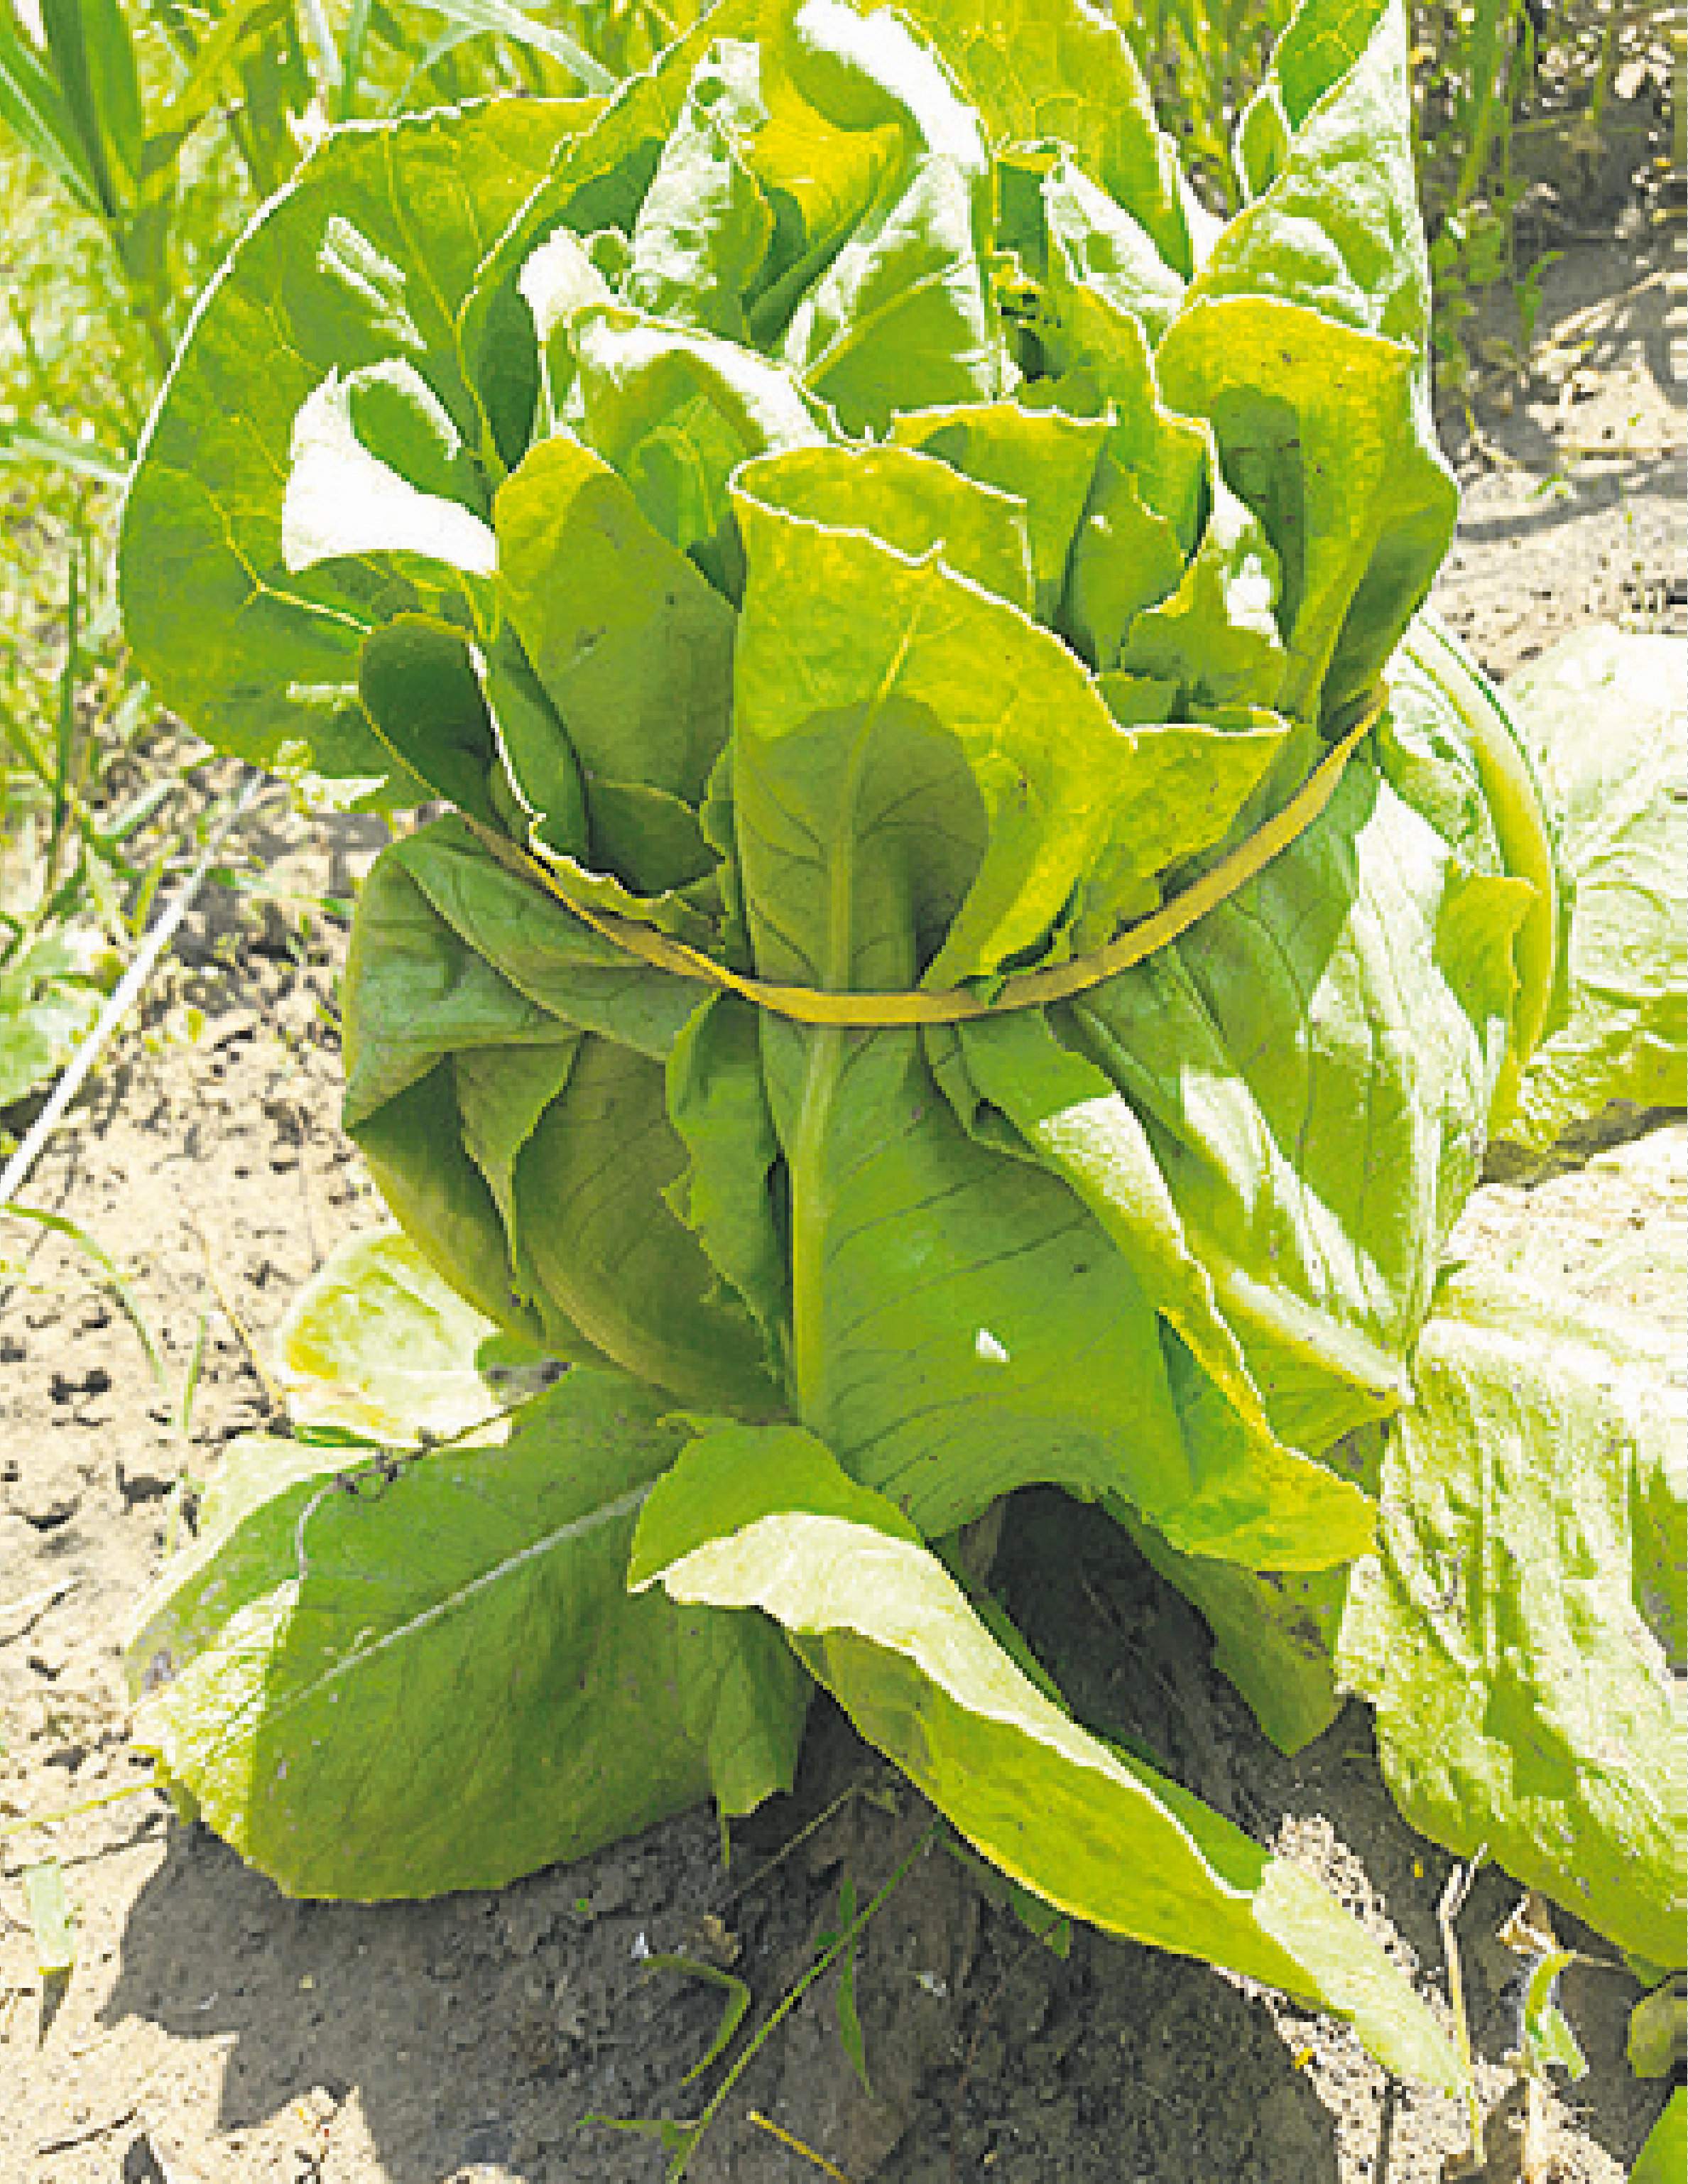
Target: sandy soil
(213,2033)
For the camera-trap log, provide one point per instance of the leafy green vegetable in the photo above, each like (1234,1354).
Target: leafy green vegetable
(438,1681)
(837,515)
(1660,2160)
(1658,2031)
(765,1518)
(1605,720)
(49,1001)
(1503,1634)
(376,1347)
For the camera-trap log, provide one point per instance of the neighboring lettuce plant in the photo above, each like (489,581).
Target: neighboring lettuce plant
(838,520)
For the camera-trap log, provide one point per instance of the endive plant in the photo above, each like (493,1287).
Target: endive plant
(946,968)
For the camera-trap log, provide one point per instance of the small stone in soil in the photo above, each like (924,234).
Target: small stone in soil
(143,1482)
(65,1387)
(47,1507)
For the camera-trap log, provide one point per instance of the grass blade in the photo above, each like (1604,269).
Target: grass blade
(32,108)
(61,1225)
(733,2012)
(68,49)
(116,82)
(849,2020)
(243,26)
(64,738)
(352,59)
(504,20)
(50,445)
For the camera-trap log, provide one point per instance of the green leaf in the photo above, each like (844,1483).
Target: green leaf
(918,506)
(377,1347)
(1041,458)
(676,413)
(33,107)
(93,61)
(889,715)
(502,19)
(446,1687)
(633,647)
(1657,2040)
(1458,755)
(592,1212)
(1213,635)
(771,1519)
(1548,2042)
(239,28)
(1307,1063)
(450,950)
(1322,431)
(851,2037)
(1660,2161)
(733,2010)
(1337,229)
(43,1020)
(1146,513)
(705,227)
(718,1103)
(373,458)
(260,653)
(1246,1496)
(960,1326)
(417,681)
(1523,1700)
(1040,69)
(459,971)
(899,316)
(1602,717)
(1274,1632)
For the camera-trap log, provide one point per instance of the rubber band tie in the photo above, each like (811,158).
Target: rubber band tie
(1023,990)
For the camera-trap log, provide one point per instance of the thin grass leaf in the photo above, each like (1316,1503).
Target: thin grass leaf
(733,2010)
(504,20)
(675,2138)
(849,2020)
(318,43)
(67,44)
(434,56)
(136,813)
(33,109)
(189,1383)
(61,1225)
(50,1919)
(64,743)
(51,445)
(244,26)
(796,2145)
(115,78)
(352,59)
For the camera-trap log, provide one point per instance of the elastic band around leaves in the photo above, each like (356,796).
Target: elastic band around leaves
(1026,990)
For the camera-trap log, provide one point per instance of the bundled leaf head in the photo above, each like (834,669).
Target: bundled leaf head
(838,514)
(841,506)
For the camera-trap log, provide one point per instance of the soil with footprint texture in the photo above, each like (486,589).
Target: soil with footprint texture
(212,2032)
